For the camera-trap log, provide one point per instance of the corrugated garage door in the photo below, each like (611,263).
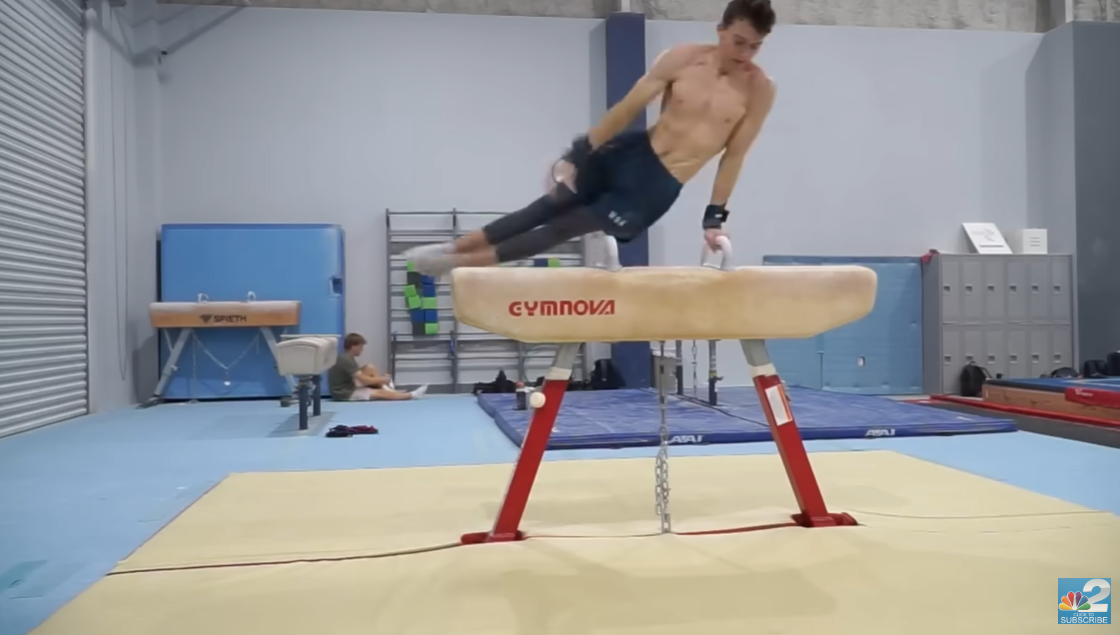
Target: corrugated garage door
(43,369)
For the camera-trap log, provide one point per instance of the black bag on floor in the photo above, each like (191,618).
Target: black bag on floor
(606,376)
(1113,369)
(1094,369)
(500,384)
(972,379)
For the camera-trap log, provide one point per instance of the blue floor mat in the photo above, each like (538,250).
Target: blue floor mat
(629,418)
(821,414)
(1057,384)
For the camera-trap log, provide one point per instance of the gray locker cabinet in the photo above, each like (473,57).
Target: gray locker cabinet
(1018,354)
(971,289)
(1009,314)
(1017,291)
(995,351)
(994,291)
(1061,292)
(1038,292)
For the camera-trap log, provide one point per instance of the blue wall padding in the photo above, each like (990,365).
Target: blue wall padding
(226,262)
(888,340)
(626,64)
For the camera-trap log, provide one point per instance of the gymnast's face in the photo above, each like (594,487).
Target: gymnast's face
(739,42)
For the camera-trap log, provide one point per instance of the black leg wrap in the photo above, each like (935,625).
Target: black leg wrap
(560,230)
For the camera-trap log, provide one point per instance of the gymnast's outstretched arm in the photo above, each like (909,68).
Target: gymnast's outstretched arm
(665,70)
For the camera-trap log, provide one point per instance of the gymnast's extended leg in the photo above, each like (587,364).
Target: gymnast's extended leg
(550,220)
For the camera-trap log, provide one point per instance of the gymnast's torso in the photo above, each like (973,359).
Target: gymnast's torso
(700,110)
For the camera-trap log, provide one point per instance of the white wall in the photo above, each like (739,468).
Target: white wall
(1050,117)
(292,116)
(122,212)
(881,143)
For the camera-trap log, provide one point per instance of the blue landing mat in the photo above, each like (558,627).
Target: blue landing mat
(623,419)
(1054,384)
(822,414)
(630,418)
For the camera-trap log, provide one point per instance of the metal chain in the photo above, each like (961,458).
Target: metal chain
(198,345)
(694,379)
(661,470)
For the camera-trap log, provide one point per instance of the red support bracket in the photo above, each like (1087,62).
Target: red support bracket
(507,526)
(775,403)
(771,394)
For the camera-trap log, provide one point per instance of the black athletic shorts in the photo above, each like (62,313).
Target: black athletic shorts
(627,186)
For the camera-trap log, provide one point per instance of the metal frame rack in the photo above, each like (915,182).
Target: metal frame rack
(458,356)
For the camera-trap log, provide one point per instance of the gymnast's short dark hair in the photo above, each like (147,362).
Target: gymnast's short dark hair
(758,13)
(353,340)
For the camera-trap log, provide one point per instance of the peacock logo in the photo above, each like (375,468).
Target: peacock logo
(1073,602)
(1084,600)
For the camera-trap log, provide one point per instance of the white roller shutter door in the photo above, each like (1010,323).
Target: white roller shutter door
(43,344)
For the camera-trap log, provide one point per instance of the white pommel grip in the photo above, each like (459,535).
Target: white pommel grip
(725,262)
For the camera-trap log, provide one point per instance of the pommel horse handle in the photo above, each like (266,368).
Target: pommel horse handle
(725,261)
(610,251)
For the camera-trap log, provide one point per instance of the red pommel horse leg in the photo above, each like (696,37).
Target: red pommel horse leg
(772,396)
(506,527)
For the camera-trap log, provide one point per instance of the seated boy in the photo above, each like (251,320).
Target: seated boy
(348,381)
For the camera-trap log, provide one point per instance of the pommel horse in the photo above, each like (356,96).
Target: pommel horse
(204,314)
(569,306)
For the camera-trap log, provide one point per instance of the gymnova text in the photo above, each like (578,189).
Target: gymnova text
(545,308)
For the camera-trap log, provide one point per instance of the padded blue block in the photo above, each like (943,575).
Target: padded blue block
(822,414)
(880,354)
(630,418)
(428,289)
(226,262)
(431,315)
(622,418)
(1059,384)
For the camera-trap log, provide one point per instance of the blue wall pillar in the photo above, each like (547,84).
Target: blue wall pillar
(626,63)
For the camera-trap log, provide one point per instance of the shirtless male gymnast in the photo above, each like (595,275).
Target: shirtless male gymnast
(714,99)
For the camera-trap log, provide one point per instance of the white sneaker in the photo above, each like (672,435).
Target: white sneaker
(419,392)
(431,260)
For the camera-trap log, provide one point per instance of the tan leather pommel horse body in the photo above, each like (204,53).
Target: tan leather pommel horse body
(204,314)
(656,304)
(201,315)
(569,306)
